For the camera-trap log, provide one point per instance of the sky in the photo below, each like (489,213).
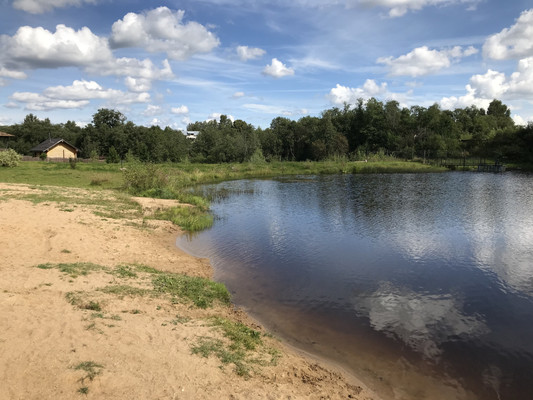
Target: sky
(169,63)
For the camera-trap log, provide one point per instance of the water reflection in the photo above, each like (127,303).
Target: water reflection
(422,321)
(440,264)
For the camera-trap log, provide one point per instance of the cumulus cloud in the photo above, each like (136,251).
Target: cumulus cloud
(152,110)
(163,30)
(40,48)
(41,6)
(397,8)
(514,42)
(277,69)
(493,84)
(424,61)
(181,110)
(246,53)
(76,95)
(33,48)
(238,95)
(340,95)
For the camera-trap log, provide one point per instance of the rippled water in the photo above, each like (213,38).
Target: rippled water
(421,284)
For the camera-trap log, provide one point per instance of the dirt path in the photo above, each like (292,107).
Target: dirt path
(102,333)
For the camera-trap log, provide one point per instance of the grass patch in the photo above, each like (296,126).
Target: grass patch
(73,269)
(243,347)
(124,290)
(91,369)
(192,219)
(125,271)
(200,291)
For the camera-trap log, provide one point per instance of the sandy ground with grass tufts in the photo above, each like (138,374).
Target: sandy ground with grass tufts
(64,335)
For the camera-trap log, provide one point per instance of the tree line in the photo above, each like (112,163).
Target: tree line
(353,132)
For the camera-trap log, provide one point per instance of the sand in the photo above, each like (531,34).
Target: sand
(136,347)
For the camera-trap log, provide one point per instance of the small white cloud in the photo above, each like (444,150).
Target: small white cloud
(7,73)
(181,110)
(77,95)
(41,6)
(423,61)
(163,30)
(246,53)
(514,42)
(277,69)
(342,94)
(238,95)
(152,110)
(137,84)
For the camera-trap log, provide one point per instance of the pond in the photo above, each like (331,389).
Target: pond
(421,284)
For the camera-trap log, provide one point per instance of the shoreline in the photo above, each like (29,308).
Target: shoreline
(141,351)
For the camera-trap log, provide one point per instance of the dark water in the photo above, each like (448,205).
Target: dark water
(420,284)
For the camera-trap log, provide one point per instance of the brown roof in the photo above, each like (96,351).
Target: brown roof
(3,134)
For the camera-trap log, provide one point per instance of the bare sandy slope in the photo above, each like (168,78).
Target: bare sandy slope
(135,347)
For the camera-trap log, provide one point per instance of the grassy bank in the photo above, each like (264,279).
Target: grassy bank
(171,180)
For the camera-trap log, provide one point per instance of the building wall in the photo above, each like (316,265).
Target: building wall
(61,151)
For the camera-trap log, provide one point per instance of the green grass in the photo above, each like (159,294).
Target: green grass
(73,269)
(192,219)
(201,292)
(91,369)
(243,347)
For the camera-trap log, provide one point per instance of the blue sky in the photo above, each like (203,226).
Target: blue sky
(170,62)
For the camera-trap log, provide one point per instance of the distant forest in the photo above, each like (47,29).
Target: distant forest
(352,132)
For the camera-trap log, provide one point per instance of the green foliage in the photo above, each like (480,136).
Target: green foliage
(91,369)
(73,163)
(141,177)
(201,292)
(113,156)
(73,269)
(243,347)
(192,219)
(9,158)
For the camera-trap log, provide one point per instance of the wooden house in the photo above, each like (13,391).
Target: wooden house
(4,137)
(55,148)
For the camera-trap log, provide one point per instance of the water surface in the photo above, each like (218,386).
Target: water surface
(422,284)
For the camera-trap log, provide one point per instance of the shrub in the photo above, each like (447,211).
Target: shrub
(9,158)
(140,177)
(72,162)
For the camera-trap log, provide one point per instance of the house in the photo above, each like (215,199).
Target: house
(192,134)
(55,148)
(4,137)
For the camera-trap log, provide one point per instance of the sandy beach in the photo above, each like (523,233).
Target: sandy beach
(55,345)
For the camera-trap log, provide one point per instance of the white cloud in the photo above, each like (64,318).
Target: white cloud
(163,30)
(514,42)
(152,110)
(32,48)
(37,102)
(340,95)
(238,95)
(77,95)
(41,6)
(6,73)
(423,61)
(277,69)
(397,8)
(40,48)
(181,110)
(246,53)
(493,84)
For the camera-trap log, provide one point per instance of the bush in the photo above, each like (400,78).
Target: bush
(140,177)
(9,158)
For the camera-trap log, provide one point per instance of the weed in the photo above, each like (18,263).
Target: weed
(83,390)
(73,269)
(66,251)
(91,369)
(192,219)
(124,271)
(125,290)
(244,347)
(200,291)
